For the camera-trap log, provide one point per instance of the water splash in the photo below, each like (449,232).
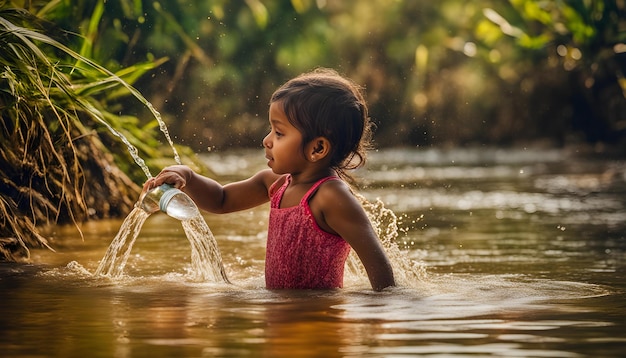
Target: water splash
(156,115)
(162,126)
(206,261)
(164,130)
(114,260)
(132,150)
(385,223)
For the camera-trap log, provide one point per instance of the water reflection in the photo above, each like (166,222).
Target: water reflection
(524,256)
(488,314)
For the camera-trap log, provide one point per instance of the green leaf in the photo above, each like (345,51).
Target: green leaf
(533,11)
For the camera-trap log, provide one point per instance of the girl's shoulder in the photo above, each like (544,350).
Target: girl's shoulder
(332,190)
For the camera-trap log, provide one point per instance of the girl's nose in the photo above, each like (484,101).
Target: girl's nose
(266,141)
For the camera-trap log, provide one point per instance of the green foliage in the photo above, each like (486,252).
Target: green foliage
(428,67)
(447,72)
(575,47)
(54,166)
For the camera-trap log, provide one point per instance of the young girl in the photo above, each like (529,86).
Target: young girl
(319,129)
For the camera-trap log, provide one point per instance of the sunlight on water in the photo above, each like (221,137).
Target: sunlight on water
(460,303)
(423,199)
(495,266)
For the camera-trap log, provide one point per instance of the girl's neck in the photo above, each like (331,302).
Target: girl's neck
(303,178)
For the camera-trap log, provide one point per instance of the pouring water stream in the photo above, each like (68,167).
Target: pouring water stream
(206,262)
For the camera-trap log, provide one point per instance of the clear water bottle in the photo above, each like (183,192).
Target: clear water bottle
(171,201)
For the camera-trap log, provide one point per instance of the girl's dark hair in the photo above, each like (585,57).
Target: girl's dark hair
(324,103)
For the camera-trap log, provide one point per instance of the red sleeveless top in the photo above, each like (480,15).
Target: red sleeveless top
(300,255)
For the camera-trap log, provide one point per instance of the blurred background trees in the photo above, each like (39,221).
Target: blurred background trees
(445,73)
(451,72)
(437,73)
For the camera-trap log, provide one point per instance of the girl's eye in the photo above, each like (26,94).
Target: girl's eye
(278,134)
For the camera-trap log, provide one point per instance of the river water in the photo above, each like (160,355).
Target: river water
(504,253)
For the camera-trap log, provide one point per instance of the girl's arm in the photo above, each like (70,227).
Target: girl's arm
(213,197)
(342,213)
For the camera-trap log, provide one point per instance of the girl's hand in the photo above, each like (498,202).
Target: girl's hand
(176,175)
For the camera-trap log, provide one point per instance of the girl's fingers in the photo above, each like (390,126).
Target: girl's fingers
(169,177)
(149,184)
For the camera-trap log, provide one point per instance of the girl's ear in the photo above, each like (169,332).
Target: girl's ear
(318,149)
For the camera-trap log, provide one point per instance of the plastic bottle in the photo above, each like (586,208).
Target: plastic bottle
(171,201)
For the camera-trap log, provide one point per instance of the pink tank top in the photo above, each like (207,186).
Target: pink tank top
(300,255)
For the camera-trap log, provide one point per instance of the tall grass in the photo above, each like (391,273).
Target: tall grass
(54,165)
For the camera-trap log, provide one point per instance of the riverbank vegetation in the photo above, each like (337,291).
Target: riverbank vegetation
(447,73)
(62,160)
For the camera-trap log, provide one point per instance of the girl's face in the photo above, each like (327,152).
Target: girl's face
(283,144)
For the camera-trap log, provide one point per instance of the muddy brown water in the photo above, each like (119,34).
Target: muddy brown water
(517,253)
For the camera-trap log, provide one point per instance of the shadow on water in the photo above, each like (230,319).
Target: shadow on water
(515,253)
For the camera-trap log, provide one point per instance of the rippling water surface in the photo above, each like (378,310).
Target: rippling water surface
(516,253)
